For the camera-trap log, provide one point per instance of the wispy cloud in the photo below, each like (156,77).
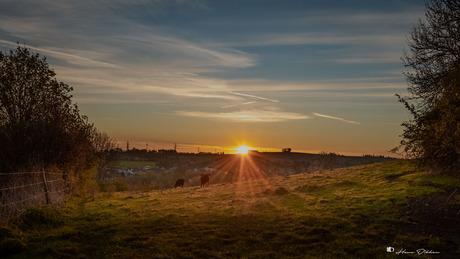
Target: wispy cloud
(109,51)
(181,52)
(247,116)
(335,118)
(376,37)
(192,58)
(388,43)
(339,27)
(74,59)
(360,18)
(267,85)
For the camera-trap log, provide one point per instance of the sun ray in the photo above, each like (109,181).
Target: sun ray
(243,150)
(248,171)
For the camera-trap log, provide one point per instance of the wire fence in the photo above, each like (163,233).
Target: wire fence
(19,191)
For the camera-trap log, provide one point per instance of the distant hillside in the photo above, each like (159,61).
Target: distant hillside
(370,211)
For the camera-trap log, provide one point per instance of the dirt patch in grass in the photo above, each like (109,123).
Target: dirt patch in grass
(393,177)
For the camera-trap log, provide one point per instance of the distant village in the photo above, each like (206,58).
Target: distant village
(133,161)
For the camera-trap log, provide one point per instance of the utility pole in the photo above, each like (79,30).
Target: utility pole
(127,145)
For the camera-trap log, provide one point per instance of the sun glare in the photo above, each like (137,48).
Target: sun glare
(242,150)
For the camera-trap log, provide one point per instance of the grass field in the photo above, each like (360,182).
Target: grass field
(352,212)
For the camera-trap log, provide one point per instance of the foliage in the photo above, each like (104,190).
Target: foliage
(39,217)
(86,182)
(120,185)
(11,240)
(433,135)
(103,145)
(40,127)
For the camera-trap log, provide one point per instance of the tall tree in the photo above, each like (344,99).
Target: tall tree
(433,135)
(39,125)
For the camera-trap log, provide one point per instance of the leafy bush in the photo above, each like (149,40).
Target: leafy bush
(120,185)
(433,135)
(11,240)
(39,217)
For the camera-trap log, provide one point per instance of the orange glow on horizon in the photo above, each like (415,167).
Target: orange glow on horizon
(243,150)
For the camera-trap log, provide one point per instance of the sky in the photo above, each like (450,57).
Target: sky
(209,75)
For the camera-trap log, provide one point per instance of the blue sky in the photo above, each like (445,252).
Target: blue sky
(310,75)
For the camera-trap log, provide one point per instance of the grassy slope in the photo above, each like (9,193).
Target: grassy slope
(355,211)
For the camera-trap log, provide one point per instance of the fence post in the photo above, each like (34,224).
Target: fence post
(46,188)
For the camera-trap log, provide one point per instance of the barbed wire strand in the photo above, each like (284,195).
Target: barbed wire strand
(32,197)
(26,173)
(22,186)
(52,181)
(60,190)
(28,185)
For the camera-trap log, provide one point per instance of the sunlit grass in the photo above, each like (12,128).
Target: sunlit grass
(333,213)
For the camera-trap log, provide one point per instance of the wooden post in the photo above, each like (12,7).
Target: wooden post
(46,188)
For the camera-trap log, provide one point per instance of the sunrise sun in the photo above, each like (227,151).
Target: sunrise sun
(242,150)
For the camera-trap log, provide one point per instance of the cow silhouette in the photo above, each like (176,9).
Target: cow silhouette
(180,183)
(205,180)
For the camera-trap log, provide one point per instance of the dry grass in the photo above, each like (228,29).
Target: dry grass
(349,212)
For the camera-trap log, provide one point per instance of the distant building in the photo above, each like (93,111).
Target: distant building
(287,150)
(167,151)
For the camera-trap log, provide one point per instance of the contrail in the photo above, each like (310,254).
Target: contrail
(254,97)
(334,118)
(239,104)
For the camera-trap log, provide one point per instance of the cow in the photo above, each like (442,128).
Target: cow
(205,180)
(180,183)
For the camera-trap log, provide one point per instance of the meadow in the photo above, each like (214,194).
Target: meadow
(354,212)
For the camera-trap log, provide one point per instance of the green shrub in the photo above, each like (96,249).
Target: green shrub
(103,186)
(120,185)
(87,183)
(11,240)
(39,217)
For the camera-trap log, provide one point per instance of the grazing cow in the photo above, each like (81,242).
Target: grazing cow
(180,183)
(205,179)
